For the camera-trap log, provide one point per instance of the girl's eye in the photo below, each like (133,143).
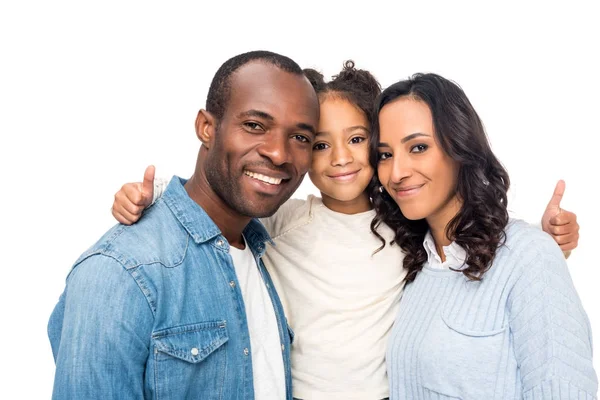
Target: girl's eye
(384,156)
(419,148)
(320,146)
(357,139)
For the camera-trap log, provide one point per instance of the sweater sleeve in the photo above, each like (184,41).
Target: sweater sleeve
(550,329)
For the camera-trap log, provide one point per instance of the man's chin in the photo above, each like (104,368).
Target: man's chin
(262,208)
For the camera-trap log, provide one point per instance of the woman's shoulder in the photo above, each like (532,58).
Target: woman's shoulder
(523,235)
(527,246)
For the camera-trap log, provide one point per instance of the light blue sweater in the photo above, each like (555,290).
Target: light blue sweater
(521,333)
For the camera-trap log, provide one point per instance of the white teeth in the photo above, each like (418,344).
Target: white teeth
(264,178)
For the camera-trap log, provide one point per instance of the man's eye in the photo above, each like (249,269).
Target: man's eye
(301,138)
(320,146)
(419,148)
(253,126)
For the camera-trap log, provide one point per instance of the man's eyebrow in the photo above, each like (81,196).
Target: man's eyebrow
(256,114)
(306,127)
(269,117)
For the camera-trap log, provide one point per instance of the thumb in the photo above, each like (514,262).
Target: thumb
(148,184)
(557,196)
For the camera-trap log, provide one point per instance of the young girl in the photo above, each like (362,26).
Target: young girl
(341,295)
(490,311)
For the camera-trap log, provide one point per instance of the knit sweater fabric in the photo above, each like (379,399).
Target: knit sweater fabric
(520,333)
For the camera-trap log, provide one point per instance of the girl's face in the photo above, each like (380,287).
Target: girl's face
(340,167)
(413,167)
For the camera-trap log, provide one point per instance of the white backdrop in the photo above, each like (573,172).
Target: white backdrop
(92,92)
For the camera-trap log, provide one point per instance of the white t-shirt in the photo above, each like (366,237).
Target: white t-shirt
(340,299)
(267,359)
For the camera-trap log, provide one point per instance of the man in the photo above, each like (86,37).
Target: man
(180,304)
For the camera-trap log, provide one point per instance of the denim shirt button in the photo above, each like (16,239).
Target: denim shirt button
(220,242)
(282,347)
(232,284)
(194,351)
(267,285)
(246,351)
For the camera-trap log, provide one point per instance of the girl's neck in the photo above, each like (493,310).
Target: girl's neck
(355,206)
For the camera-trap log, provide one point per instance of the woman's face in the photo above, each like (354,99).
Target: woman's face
(340,166)
(412,166)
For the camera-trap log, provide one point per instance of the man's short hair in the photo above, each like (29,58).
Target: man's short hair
(220,87)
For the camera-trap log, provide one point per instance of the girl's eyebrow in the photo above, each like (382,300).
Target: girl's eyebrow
(355,127)
(348,129)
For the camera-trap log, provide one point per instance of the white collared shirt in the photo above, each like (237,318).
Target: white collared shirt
(455,255)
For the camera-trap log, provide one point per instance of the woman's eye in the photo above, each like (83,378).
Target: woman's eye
(419,148)
(384,156)
(357,139)
(320,146)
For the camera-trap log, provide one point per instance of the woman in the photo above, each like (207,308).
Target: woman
(340,298)
(489,309)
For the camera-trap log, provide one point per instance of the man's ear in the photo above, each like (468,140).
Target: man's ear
(205,128)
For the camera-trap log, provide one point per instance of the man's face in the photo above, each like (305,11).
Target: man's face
(262,147)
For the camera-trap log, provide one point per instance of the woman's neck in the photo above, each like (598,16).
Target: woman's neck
(438,225)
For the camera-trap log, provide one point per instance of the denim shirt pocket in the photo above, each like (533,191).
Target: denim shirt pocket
(190,360)
(459,362)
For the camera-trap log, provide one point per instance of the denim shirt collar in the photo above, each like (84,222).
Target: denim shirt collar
(200,226)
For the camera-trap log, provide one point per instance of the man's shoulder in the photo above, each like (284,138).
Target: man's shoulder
(156,238)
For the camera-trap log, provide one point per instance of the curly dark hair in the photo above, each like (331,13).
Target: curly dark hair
(482,181)
(220,87)
(357,86)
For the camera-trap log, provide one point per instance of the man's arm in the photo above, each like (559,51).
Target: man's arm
(100,333)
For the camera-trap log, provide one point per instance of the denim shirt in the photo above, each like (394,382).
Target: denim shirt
(154,311)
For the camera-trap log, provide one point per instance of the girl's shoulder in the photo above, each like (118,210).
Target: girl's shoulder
(292,213)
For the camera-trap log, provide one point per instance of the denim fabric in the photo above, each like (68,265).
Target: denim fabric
(153,310)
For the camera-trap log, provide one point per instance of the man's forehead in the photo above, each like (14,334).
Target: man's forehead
(265,87)
(255,76)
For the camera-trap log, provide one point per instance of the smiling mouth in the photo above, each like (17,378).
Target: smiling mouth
(408,191)
(345,176)
(264,178)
